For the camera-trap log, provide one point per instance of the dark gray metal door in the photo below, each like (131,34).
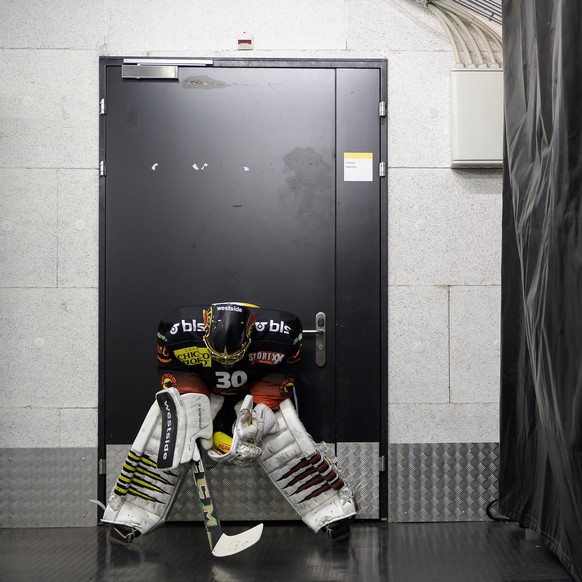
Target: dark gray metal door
(252,182)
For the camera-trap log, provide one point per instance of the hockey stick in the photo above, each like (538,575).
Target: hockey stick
(220,543)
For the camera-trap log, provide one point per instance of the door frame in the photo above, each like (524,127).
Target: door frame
(217,62)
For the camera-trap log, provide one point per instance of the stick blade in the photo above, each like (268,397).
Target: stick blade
(228,545)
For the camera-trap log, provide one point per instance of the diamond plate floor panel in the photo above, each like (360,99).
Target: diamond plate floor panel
(376,551)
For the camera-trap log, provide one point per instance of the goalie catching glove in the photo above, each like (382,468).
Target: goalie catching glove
(248,430)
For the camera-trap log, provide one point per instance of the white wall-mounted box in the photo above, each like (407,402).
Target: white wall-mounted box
(476,118)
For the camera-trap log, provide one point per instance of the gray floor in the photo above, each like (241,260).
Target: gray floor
(447,552)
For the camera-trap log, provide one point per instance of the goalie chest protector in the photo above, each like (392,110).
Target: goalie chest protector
(275,346)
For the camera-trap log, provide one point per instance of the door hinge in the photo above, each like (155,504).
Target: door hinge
(382,109)
(382,169)
(102,107)
(102,467)
(381,464)
(102,168)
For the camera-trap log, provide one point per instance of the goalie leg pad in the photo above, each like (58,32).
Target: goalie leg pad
(143,495)
(155,465)
(310,482)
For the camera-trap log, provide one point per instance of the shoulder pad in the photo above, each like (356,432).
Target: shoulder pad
(184,320)
(276,338)
(270,321)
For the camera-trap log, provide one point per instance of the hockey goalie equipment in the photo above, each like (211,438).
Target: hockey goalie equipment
(220,544)
(222,441)
(310,482)
(123,534)
(244,449)
(155,465)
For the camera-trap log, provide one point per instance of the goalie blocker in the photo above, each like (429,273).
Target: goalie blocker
(166,444)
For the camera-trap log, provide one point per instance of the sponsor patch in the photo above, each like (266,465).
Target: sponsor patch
(169,381)
(286,387)
(273,326)
(228,308)
(187,326)
(169,430)
(194,356)
(269,358)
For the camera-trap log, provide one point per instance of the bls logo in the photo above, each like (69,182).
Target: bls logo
(275,326)
(187,326)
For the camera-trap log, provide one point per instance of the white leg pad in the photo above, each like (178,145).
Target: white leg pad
(143,495)
(144,492)
(309,481)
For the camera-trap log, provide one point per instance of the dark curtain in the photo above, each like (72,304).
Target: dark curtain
(540,476)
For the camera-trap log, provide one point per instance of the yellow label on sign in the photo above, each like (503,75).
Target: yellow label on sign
(359,155)
(194,356)
(358,167)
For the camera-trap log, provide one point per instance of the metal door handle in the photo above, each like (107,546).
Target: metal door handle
(319,331)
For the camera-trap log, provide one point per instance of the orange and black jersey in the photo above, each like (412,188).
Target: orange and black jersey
(185,362)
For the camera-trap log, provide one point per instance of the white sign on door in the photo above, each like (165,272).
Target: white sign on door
(358,167)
